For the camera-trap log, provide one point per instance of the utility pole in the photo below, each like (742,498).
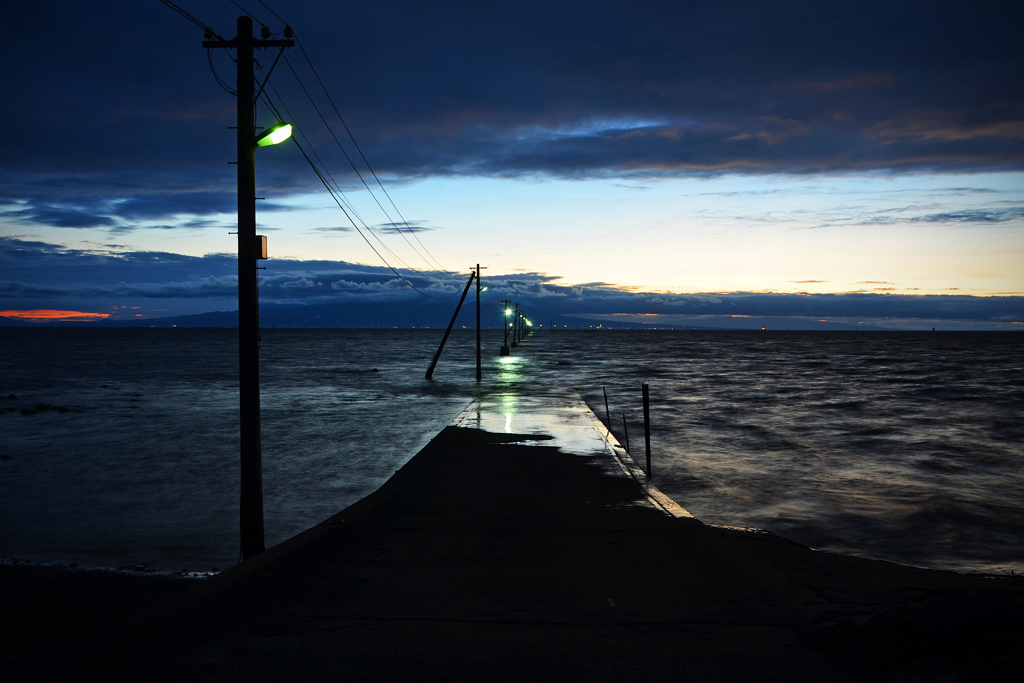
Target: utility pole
(504,313)
(515,328)
(249,250)
(479,370)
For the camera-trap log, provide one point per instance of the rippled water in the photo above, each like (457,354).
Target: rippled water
(902,446)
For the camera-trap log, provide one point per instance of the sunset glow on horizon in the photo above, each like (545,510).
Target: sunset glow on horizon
(45,314)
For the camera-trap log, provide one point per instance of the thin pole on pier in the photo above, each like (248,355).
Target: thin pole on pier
(625,430)
(647,427)
(607,415)
(433,363)
(479,372)
(505,326)
(515,327)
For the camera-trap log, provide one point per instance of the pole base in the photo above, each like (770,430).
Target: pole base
(504,350)
(514,345)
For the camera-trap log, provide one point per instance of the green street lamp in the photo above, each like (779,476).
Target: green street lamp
(274,135)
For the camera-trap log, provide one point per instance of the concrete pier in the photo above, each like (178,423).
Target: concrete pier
(521,544)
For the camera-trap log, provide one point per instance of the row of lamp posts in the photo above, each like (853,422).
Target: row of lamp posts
(519,326)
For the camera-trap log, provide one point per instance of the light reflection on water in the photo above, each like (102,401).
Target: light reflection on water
(894,445)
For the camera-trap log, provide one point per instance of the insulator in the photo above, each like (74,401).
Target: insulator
(208,33)
(265,33)
(288,32)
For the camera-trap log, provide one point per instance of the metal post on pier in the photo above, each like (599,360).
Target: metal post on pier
(607,415)
(625,430)
(647,427)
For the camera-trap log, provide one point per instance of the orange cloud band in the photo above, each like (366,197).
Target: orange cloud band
(53,315)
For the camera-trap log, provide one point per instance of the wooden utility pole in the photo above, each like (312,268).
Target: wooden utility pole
(479,369)
(249,250)
(504,313)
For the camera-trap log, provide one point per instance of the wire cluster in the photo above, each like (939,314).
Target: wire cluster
(274,101)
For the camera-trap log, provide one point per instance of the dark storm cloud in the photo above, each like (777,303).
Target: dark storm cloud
(60,270)
(124,212)
(116,98)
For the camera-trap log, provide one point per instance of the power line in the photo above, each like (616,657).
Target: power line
(188,16)
(349,159)
(247,12)
(400,276)
(336,194)
(210,33)
(338,187)
(330,191)
(272,11)
(312,149)
(358,148)
(359,175)
(365,160)
(222,84)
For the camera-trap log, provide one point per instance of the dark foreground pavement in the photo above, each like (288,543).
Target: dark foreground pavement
(519,546)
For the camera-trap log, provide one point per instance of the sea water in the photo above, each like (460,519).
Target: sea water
(120,446)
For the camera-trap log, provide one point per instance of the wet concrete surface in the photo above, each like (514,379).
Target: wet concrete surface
(522,544)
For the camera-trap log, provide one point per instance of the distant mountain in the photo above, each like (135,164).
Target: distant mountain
(403,314)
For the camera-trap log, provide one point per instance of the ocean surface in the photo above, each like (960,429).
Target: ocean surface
(119,447)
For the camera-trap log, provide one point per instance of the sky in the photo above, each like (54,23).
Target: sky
(714,164)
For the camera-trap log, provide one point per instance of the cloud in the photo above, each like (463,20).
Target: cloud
(853,82)
(660,89)
(944,130)
(393,285)
(694,300)
(973,216)
(301,283)
(120,212)
(41,315)
(123,213)
(404,228)
(42,276)
(894,215)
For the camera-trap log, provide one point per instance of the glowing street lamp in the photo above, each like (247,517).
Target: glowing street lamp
(274,135)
